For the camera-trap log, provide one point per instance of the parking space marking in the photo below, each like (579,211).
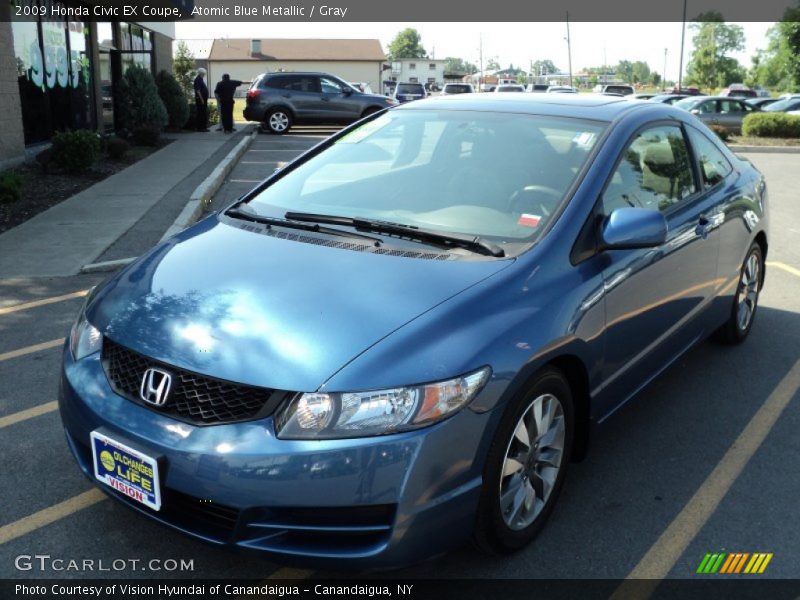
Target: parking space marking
(43,302)
(672,543)
(49,515)
(29,413)
(783,267)
(31,349)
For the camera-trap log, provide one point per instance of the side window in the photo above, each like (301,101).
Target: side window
(329,86)
(714,167)
(729,106)
(708,107)
(297,83)
(655,172)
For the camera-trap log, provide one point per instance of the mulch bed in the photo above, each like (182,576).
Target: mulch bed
(41,189)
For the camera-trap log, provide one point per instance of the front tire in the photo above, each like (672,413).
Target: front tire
(278,121)
(526,465)
(745,302)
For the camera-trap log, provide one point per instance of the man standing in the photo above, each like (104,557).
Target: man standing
(224,92)
(201,100)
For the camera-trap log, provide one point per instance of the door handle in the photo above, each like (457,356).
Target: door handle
(703,226)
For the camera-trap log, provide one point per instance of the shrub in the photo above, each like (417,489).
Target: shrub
(171,94)
(116,147)
(146,135)
(45,158)
(771,124)
(138,101)
(213,115)
(10,187)
(721,131)
(76,150)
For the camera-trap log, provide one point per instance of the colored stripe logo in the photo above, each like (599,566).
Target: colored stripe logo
(733,563)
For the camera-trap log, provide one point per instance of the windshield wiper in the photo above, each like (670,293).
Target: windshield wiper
(242,211)
(469,242)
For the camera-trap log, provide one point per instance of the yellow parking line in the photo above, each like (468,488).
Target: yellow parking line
(31,349)
(24,415)
(44,301)
(49,515)
(668,548)
(783,267)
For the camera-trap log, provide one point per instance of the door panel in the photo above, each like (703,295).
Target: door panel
(655,296)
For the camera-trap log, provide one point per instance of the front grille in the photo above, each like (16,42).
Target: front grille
(194,398)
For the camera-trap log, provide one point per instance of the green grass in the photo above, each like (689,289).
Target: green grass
(238,109)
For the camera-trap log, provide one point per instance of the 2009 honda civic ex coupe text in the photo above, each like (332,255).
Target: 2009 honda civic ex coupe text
(401,339)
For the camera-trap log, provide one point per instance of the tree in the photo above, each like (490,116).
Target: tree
(709,65)
(779,65)
(640,72)
(655,78)
(459,66)
(141,108)
(183,66)
(175,101)
(493,65)
(542,68)
(407,44)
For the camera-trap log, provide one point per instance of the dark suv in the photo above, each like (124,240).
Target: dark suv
(280,100)
(406,92)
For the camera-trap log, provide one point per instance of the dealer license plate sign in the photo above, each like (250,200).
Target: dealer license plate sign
(126,470)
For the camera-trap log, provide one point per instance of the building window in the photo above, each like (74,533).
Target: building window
(413,80)
(397,66)
(431,79)
(432,66)
(136,45)
(53,75)
(412,66)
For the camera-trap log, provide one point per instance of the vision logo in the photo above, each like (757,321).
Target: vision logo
(735,562)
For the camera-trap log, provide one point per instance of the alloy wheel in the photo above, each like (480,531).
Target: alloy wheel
(748,291)
(278,121)
(533,459)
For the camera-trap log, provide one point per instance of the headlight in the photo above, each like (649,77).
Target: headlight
(322,416)
(84,339)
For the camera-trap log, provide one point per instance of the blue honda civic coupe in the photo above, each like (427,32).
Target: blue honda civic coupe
(400,340)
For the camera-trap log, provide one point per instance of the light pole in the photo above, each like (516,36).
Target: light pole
(569,52)
(664,73)
(683,36)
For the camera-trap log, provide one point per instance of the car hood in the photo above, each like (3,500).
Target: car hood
(256,309)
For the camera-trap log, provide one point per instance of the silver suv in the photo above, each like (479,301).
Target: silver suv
(280,100)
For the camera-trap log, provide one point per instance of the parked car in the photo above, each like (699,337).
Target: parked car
(509,87)
(561,89)
(615,88)
(457,88)
(668,98)
(537,87)
(687,91)
(280,100)
(645,95)
(718,110)
(738,92)
(761,103)
(407,92)
(784,105)
(431,86)
(264,380)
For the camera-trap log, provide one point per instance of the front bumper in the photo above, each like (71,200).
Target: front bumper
(377,502)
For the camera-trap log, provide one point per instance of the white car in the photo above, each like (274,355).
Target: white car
(561,89)
(509,87)
(457,88)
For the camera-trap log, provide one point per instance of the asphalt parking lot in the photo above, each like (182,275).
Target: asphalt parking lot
(705,460)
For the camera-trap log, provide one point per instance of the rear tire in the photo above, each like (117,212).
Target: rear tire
(278,121)
(526,465)
(745,302)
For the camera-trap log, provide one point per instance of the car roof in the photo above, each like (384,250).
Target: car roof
(581,106)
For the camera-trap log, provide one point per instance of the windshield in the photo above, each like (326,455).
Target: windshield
(454,88)
(409,88)
(688,103)
(494,175)
(783,105)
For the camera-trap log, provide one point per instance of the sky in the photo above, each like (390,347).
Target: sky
(510,43)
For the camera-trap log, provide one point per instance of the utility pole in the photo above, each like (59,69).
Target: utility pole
(683,36)
(569,52)
(480,60)
(664,72)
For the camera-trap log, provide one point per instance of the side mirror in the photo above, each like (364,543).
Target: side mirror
(348,91)
(695,111)
(627,228)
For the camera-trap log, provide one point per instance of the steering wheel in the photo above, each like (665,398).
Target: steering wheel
(536,199)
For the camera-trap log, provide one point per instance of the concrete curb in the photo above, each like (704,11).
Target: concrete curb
(108,265)
(204,192)
(766,149)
